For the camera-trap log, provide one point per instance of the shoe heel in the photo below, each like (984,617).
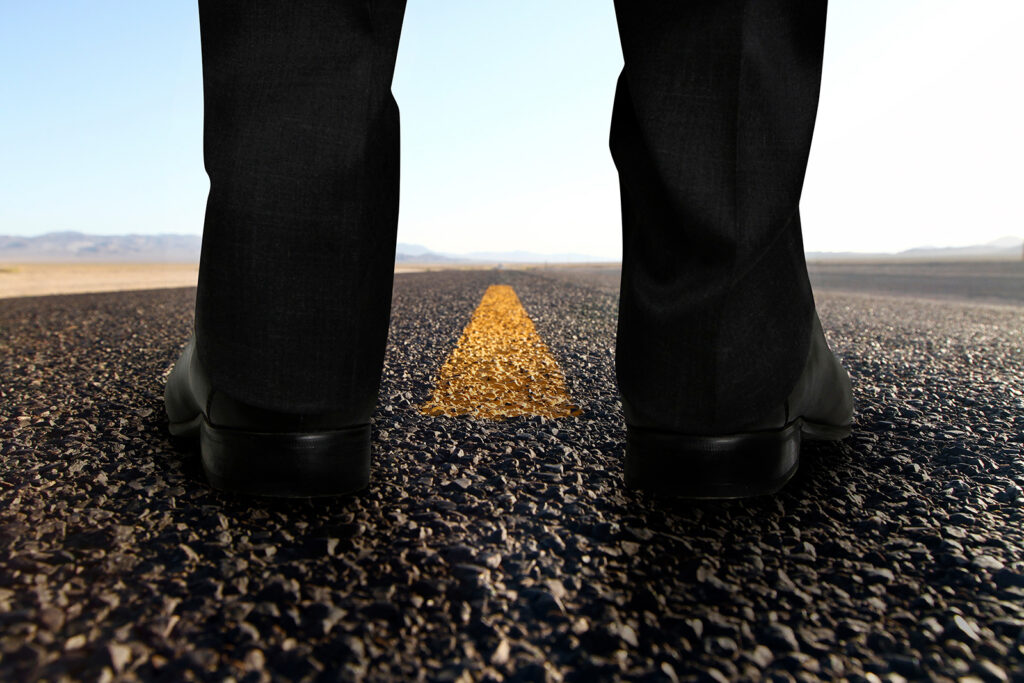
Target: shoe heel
(287,465)
(731,466)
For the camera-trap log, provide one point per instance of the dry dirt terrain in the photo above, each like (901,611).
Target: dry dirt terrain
(41,279)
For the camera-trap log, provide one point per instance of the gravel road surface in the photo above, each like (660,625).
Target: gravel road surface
(978,281)
(510,550)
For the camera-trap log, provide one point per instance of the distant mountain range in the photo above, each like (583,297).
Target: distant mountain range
(415,253)
(1009,248)
(79,247)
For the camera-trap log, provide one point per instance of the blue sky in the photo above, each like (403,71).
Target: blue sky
(505,113)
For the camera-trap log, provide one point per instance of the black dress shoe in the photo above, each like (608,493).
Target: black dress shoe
(264,452)
(760,456)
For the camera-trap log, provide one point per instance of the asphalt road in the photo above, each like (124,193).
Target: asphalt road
(977,281)
(510,550)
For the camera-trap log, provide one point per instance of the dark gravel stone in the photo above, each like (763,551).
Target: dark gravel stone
(905,665)
(510,550)
(959,628)
(780,638)
(1006,578)
(989,672)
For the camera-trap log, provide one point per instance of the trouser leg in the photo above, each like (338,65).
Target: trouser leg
(711,130)
(301,145)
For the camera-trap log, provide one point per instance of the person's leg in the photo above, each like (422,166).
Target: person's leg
(301,144)
(711,131)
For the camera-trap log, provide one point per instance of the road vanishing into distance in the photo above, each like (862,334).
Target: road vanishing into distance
(509,549)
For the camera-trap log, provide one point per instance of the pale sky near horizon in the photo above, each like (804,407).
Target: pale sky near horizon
(505,116)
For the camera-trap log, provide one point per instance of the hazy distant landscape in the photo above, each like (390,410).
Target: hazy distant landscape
(73,262)
(1010,248)
(60,247)
(69,246)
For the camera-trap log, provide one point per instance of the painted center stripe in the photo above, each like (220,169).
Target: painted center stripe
(500,367)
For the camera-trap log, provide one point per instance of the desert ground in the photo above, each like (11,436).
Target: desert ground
(41,279)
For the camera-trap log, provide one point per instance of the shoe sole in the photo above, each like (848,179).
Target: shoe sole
(282,464)
(719,467)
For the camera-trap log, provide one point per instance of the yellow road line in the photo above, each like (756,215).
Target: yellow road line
(500,367)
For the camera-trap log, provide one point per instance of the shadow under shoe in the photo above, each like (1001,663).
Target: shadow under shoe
(759,458)
(251,450)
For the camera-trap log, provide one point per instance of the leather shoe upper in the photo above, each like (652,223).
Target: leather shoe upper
(188,394)
(822,395)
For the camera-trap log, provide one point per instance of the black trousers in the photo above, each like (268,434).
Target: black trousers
(711,129)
